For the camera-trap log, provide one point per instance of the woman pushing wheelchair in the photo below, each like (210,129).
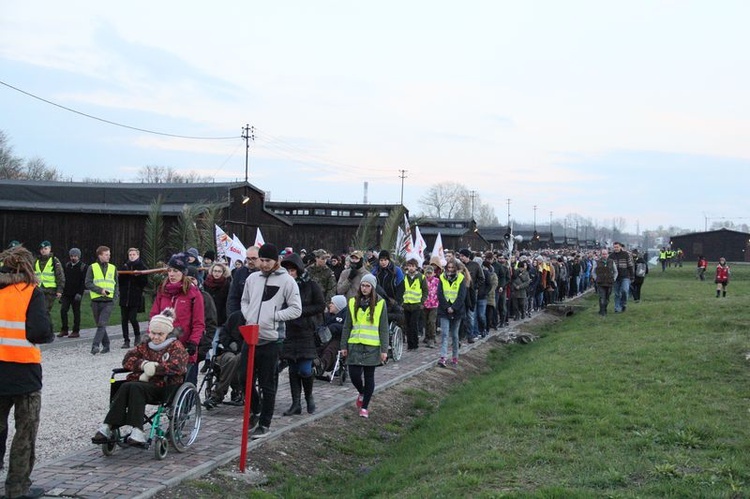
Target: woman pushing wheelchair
(157,368)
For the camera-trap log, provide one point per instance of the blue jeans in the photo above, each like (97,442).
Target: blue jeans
(480,317)
(449,326)
(622,286)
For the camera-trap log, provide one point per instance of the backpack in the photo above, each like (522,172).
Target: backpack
(640,269)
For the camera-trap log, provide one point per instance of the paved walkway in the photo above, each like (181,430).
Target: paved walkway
(133,473)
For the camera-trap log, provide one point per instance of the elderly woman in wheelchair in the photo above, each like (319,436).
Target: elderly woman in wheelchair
(156,371)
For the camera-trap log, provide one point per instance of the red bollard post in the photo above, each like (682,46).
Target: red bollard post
(250,334)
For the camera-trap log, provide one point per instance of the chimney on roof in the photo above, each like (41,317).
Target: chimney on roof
(365,200)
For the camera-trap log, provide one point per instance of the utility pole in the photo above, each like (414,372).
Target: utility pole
(402,177)
(534,218)
(248,133)
(472,194)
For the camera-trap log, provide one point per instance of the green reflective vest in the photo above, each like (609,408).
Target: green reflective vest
(364,331)
(103,281)
(450,290)
(413,291)
(46,276)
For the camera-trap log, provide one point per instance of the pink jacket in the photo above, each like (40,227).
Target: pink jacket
(189,314)
(432,292)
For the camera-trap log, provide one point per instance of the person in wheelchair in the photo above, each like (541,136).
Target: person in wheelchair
(157,368)
(328,351)
(227,358)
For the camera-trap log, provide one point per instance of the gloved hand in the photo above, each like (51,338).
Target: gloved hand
(191,348)
(77,297)
(149,368)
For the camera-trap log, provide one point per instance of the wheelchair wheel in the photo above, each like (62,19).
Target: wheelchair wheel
(184,417)
(160,448)
(397,342)
(109,448)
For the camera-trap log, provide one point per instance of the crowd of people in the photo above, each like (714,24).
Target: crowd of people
(200,303)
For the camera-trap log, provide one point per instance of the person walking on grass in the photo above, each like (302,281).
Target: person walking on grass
(364,340)
(101,281)
(723,272)
(700,272)
(604,275)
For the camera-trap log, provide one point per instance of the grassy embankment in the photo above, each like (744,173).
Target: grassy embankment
(649,403)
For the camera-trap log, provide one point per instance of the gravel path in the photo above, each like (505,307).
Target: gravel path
(75,395)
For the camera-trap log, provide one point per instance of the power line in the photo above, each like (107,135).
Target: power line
(113,122)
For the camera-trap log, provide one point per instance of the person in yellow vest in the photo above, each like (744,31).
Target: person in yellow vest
(49,274)
(24,324)
(101,281)
(415,294)
(663,258)
(364,339)
(452,292)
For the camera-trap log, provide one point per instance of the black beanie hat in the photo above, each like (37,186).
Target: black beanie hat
(269,251)
(384,255)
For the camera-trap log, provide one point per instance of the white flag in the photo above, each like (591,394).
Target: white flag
(259,239)
(419,245)
(400,238)
(236,251)
(438,251)
(223,242)
(408,244)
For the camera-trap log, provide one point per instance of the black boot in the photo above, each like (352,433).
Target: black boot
(295,386)
(307,384)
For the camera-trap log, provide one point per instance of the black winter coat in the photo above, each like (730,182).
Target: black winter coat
(132,286)
(300,332)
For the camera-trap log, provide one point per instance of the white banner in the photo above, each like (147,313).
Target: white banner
(438,251)
(259,239)
(223,242)
(236,251)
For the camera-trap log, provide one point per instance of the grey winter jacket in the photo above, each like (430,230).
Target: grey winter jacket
(269,300)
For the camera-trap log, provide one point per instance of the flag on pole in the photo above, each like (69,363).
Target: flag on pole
(400,238)
(409,242)
(438,251)
(236,251)
(223,242)
(259,239)
(419,245)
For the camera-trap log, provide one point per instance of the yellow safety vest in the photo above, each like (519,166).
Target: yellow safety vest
(105,282)
(364,331)
(450,290)
(46,277)
(413,291)
(14,347)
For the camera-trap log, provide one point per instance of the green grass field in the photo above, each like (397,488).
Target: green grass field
(87,320)
(650,403)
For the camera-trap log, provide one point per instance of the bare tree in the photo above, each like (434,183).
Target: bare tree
(444,200)
(154,174)
(37,169)
(13,167)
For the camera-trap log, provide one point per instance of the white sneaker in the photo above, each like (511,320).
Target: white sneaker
(137,436)
(105,430)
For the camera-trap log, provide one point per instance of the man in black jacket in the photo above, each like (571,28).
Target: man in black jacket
(477,281)
(75,280)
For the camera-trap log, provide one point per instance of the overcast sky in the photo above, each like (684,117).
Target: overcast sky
(606,109)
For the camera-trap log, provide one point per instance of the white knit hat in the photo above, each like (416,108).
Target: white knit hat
(339,301)
(163,322)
